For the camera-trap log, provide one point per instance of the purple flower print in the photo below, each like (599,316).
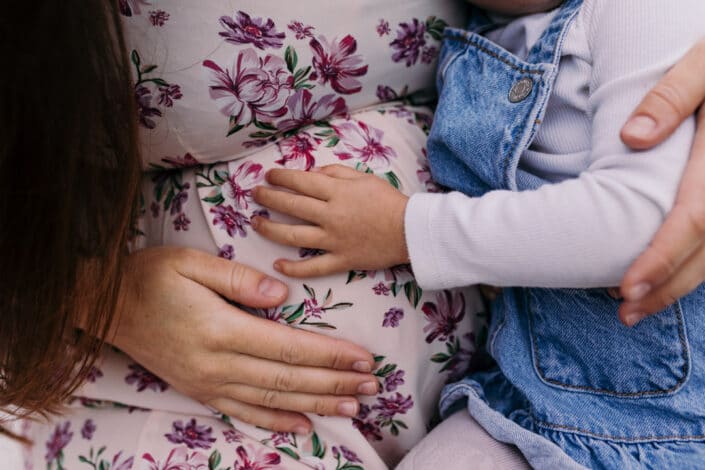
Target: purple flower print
(257,459)
(227,252)
(130,7)
(262,213)
(386,93)
(279,438)
(181,162)
(168,94)
(310,252)
(312,309)
(364,412)
(243,29)
(232,435)
(58,441)
(94,374)
(369,429)
(424,174)
(388,408)
(429,54)
(177,203)
(191,434)
(251,88)
(394,380)
(302,31)
(88,429)
(178,459)
(347,454)
(304,111)
(383,28)
(411,38)
(181,223)
(116,464)
(230,220)
(155,208)
(297,151)
(393,317)
(158,17)
(272,314)
(443,316)
(364,143)
(382,289)
(144,107)
(243,181)
(336,63)
(144,379)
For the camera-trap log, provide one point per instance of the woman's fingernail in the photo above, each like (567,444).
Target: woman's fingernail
(302,430)
(633,318)
(348,408)
(271,288)
(362,366)
(368,388)
(277,266)
(638,292)
(640,127)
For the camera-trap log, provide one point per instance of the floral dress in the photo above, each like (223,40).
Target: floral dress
(227,90)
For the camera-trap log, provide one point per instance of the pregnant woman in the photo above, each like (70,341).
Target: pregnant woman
(226,91)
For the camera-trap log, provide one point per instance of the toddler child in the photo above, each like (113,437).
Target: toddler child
(546,197)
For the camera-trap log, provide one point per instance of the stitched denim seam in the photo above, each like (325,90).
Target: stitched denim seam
(649,393)
(494,55)
(607,437)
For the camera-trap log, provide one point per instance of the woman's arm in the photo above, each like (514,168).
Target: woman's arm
(175,322)
(674,263)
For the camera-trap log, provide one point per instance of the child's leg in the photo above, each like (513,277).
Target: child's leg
(460,443)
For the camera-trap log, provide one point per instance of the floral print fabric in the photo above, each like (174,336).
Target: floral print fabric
(224,96)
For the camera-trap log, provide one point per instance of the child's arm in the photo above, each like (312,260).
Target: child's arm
(580,233)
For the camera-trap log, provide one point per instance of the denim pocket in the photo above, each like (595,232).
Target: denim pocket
(578,343)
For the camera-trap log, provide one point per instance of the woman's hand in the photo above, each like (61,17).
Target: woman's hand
(358,220)
(176,324)
(674,263)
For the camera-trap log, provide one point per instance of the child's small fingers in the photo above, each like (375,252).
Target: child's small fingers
(314,184)
(340,171)
(295,205)
(317,266)
(299,236)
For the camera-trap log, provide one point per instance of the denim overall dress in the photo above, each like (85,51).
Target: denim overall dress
(573,387)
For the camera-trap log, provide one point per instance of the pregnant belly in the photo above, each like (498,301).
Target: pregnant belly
(420,339)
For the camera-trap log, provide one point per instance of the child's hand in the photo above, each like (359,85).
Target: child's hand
(358,220)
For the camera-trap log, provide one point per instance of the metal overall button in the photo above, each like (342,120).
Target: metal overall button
(521,90)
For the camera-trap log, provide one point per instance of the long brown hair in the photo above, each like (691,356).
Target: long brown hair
(69,170)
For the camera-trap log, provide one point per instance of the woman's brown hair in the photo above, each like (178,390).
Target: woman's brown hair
(69,170)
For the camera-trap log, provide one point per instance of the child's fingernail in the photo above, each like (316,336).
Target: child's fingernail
(277,266)
(302,430)
(271,288)
(348,408)
(640,127)
(368,388)
(362,366)
(638,292)
(254,222)
(633,318)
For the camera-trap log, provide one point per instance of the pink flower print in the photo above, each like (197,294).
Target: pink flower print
(302,32)
(424,174)
(297,151)
(178,459)
(181,223)
(394,380)
(443,316)
(144,107)
(243,181)
(429,54)
(388,408)
(243,29)
(227,252)
(279,438)
(130,7)
(271,314)
(232,435)
(191,434)
(346,453)
(304,111)
(364,143)
(58,441)
(383,28)
(88,429)
(381,289)
(158,17)
(411,38)
(256,459)
(116,464)
(94,374)
(230,220)
(393,317)
(144,379)
(168,94)
(336,62)
(251,88)
(181,162)
(312,309)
